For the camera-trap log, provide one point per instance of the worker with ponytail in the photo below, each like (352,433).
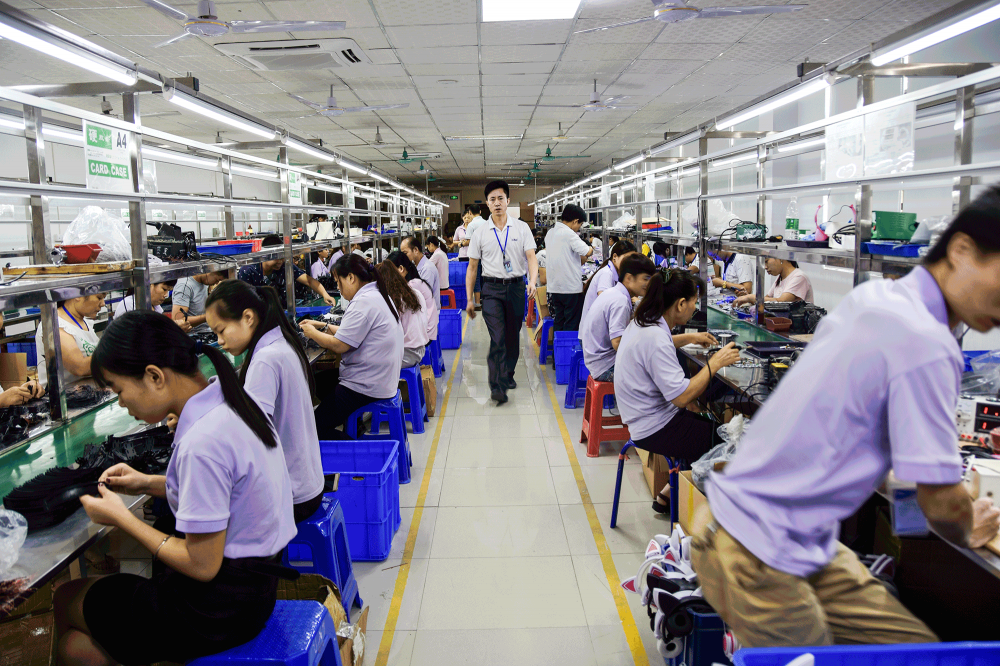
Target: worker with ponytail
(650,387)
(278,376)
(369,340)
(413,313)
(228,487)
(606,276)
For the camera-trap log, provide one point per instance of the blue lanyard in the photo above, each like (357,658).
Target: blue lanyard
(503,248)
(74,319)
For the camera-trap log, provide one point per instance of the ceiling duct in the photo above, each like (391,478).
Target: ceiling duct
(298,54)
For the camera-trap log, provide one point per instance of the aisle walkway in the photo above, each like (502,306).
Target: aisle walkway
(504,568)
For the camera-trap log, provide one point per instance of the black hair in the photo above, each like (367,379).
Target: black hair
(690,250)
(352,264)
(666,287)
(660,248)
(271,240)
(980,221)
(617,250)
(399,258)
(636,264)
(141,338)
(233,297)
(572,212)
(172,282)
(484,211)
(435,241)
(496,185)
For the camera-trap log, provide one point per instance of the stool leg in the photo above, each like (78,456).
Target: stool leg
(594,436)
(674,492)
(618,490)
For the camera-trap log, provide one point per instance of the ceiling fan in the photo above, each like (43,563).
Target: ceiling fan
(331,109)
(595,103)
(207,24)
(422,171)
(561,137)
(666,11)
(549,157)
(413,157)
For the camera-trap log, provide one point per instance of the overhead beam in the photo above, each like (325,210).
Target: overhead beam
(100,88)
(935,69)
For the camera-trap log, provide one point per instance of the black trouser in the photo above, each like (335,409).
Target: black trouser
(336,404)
(503,311)
(566,310)
(304,510)
(687,436)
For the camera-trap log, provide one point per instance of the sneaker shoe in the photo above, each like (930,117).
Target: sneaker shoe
(511,384)
(499,396)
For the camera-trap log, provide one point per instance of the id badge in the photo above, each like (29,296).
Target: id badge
(507,266)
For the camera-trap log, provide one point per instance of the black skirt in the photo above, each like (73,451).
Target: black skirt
(171,617)
(687,436)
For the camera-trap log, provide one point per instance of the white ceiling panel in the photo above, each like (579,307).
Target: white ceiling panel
(420,12)
(514,79)
(683,50)
(637,33)
(804,31)
(715,31)
(444,69)
(525,32)
(518,67)
(423,36)
(521,52)
(602,51)
(615,10)
(427,56)
(772,52)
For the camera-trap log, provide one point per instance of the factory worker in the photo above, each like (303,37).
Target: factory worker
(650,386)
(791,284)
(410,273)
(278,376)
(158,292)
(738,273)
(606,276)
(76,335)
(319,267)
(369,340)
(881,378)
(413,313)
(601,332)
(226,483)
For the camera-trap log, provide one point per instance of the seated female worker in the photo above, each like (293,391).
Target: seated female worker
(738,272)
(413,313)
(271,273)
(226,483)
(409,271)
(278,376)
(606,276)
(691,260)
(792,284)
(319,267)
(369,340)
(601,332)
(158,292)
(650,387)
(76,335)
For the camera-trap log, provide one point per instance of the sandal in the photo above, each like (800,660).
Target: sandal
(662,508)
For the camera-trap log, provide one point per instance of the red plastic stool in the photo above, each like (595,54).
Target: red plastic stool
(450,293)
(598,428)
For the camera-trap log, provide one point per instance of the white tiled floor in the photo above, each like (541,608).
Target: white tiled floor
(505,568)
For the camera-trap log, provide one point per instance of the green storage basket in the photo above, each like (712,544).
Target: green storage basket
(894,226)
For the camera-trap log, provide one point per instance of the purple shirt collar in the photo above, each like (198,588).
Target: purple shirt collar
(620,287)
(270,337)
(423,260)
(926,287)
(614,271)
(666,327)
(198,405)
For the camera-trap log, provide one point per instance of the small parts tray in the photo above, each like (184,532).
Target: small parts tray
(893,249)
(769,349)
(809,245)
(229,249)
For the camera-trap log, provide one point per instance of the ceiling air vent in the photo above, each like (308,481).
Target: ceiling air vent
(338,53)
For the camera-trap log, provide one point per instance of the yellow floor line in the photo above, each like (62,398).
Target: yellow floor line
(614,582)
(389,631)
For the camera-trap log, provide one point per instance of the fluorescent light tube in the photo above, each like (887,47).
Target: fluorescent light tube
(792,95)
(529,10)
(312,151)
(13,124)
(379,177)
(788,147)
(734,160)
(352,167)
(255,173)
(965,25)
(62,134)
(198,106)
(673,143)
(49,46)
(485,138)
(629,162)
(156,153)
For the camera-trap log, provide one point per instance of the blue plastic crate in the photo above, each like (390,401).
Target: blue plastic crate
(452,255)
(370,542)
(704,646)
(235,248)
(910,654)
(311,310)
(894,249)
(27,348)
(460,300)
(969,355)
(456,274)
(563,344)
(450,329)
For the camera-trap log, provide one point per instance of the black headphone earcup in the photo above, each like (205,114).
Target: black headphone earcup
(679,622)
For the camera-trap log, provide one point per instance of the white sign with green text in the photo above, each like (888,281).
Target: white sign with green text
(106,152)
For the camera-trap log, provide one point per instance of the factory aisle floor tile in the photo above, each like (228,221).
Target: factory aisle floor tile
(505,568)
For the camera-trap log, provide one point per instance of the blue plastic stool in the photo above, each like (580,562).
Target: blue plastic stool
(324,536)
(576,388)
(434,357)
(299,633)
(415,392)
(674,466)
(545,352)
(390,411)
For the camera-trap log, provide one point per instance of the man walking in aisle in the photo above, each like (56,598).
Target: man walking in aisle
(507,251)
(565,252)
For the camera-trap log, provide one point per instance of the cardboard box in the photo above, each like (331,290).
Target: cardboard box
(314,587)
(27,641)
(656,470)
(40,601)
(689,500)
(13,370)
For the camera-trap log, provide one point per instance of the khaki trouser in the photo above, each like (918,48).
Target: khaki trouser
(842,603)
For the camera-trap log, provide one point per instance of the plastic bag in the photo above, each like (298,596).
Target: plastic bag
(731,434)
(13,530)
(718,217)
(95,225)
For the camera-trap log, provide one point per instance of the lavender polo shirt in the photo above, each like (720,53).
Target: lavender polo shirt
(648,375)
(881,380)
(606,321)
(430,275)
(430,314)
(440,261)
(372,367)
(603,279)
(415,324)
(222,477)
(276,381)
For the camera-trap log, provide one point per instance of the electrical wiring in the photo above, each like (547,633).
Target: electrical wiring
(7,282)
